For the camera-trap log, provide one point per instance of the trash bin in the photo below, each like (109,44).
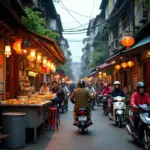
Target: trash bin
(13,124)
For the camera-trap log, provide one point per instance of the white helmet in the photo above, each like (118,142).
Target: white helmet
(117,83)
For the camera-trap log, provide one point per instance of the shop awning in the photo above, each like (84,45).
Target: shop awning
(50,44)
(92,73)
(105,65)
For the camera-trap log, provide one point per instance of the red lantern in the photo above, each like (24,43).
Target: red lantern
(17,46)
(127,41)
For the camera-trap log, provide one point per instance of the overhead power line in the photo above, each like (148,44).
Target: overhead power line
(71,14)
(76,12)
(85,29)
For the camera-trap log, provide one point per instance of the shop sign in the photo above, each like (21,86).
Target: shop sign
(32,74)
(1,87)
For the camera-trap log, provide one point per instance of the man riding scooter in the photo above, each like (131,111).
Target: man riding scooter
(139,98)
(80,97)
(92,92)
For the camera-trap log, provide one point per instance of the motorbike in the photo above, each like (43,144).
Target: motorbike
(104,100)
(92,101)
(83,119)
(144,124)
(98,99)
(118,113)
(64,104)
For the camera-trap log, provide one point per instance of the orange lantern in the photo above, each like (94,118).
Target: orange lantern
(100,76)
(44,62)
(130,63)
(104,74)
(17,46)
(117,67)
(127,41)
(124,65)
(39,57)
(48,64)
(32,56)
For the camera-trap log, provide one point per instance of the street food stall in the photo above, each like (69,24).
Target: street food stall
(36,108)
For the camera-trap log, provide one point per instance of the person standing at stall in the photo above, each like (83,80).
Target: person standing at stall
(44,88)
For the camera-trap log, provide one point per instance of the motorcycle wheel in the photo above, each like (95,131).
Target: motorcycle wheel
(120,124)
(146,144)
(83,130)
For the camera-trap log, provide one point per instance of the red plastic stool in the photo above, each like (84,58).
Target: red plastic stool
(53,120)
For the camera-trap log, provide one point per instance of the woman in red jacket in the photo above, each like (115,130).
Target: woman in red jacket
(139,98)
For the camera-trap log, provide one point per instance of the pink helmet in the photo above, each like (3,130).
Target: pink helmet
(106,85)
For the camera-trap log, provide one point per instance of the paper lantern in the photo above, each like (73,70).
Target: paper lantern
(17,46)
(7,50)
(39,58)
(127,41)
(104,74)
(100,76)
(44,62)
(32,55)
(117,67)
(49,64)
(130,63)
(124,65)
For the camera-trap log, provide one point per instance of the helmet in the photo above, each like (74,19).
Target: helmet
(81,83)
(141,84)
(105,85)
(117,83)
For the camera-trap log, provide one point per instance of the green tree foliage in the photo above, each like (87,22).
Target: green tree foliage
(97,57)
(34,22)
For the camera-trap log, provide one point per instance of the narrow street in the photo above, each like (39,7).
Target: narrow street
(102,135)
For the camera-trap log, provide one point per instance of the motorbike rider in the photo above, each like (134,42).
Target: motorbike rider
(90,88)
(117,91)
(106,90)
(92,91)
(138,98)
(80,97)
(65,89)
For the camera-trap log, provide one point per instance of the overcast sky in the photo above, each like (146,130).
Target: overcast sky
(85,7)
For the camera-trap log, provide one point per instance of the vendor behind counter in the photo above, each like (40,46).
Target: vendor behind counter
(44,88)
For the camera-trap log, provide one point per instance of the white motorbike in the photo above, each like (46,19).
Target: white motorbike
(119,110)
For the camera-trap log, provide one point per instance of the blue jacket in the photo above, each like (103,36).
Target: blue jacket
(118,92)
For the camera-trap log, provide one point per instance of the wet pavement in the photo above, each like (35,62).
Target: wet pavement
(103,134)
